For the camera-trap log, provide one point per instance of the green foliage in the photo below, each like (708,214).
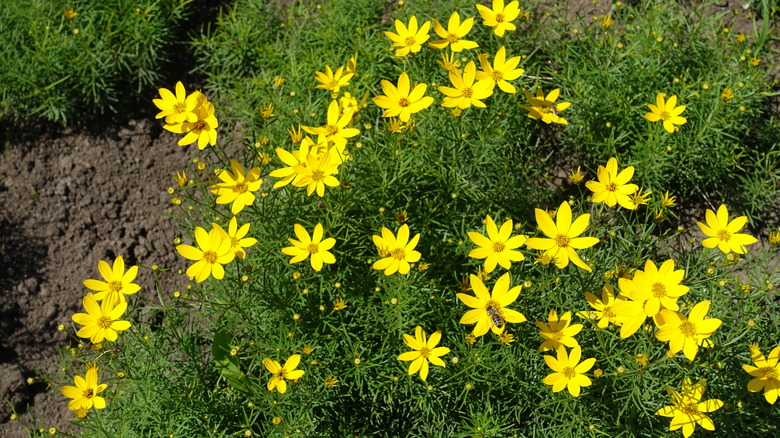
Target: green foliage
(59,69)
(194,362)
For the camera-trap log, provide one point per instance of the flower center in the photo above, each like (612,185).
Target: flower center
(331,130)
(398,254)
(180,107)
(210,257)
(688,329)
(569,372)
(410,41)
(498,246)
(312,248)
(612,187)
(452,38)
(499,18)
(659,290)
(104,322)
(199,125)
(557,336)
(425,352)
(89,393)
(665,116)
(690,409)
(467,93)
(115,286)
(404,102)
(771,373)
(281,374)
(607,312)
(333,84)
(562,240)
(724,235)
(497,75)
(241,187)
(318,175)
(234,241)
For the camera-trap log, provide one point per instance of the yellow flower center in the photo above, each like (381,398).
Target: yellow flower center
(398,254)
(318,175)
(233,241)
(452,38)
(199,125)
(497,75)
(404,102)
(690,409)
(115,286)
(499,18)
(688,329)
(180,107)
(89,393)
(562,240)
(608,313)
(331,130)
(410,41)
(281,374)
(241,187)
(312,248)
(557,336)
(467,93)
(612,187)
(569,372)
(210,257)
(724,235)
(104,322)
(425,352)
(664,116)
(659,290)
(498,246)
(771,373)
(333,84)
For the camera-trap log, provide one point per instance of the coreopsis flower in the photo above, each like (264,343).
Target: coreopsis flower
(687,410)
(213,251)
(117,284)
(500,17)
(177,108)
(668,201)
(333,81)
(613,187)
(724,234)
(101,321)
(310,246)
(352,64)
(666,111)
(766,373)
(466,93)
(638,198)
(501,71)
(402,101)
(282,373)
(203,130)
(318,173)
(452,36)
(576,176)
(85,393)
(603,309)
(568,370)
(396,251)
(544,107)
(339,304)
(69,14)
(181,178)
(295,160)
(295,134)
(335,129)
(237,186)
(774,238)
(489,309)
(606,22)
(267,111)
(558,331)
(237,236)
(562,236)
(425,350)
(755,61)
(499,245)
(449,63)
(687,334)
(727,94)
(409,38)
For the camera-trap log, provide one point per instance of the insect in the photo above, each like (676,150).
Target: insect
(495,316)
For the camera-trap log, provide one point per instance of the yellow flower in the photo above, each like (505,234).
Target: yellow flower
(558,332)
(237,186)
(755,61)
(395,126)
(638,198)
(668,201)
(278,81)
(654,289)
(606,22)
(203,129)
(237,237)
(575,176)
(687,334)
(69,13)
(101,322)
(741,38)
(333,81)
(506,338)
(499,17)
(498,247)
(453,34)
(612,187)
(449,63)
(686,410)
(318,173)
(331,382)
(766,373)
(335,129)
(641,359)
(774,238)
(544,107)
(267,111)
(723,234)
(562,237)
(402,101)
(177,108)
(603,308)
(568,371)
(295,134)
(399,251)
(85,393)
(339,304)
(296,162)
(489,310)
(352,64)
(501,71)
(727,94)
(666,111)
(117,284)
(424,351)
(281,373)
(213,251)
(312,246)
(466,93)
(180,178)
(410,38)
